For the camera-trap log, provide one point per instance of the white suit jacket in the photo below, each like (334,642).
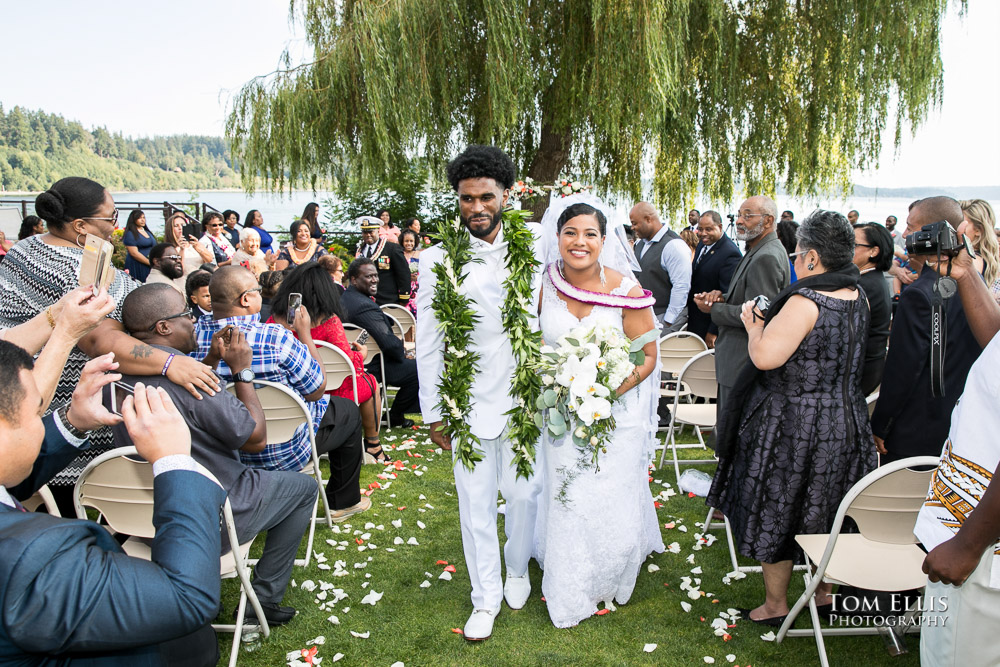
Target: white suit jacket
(484,286)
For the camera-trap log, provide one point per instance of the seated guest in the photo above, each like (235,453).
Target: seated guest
(279,357)
(269,282)
(198,295)
(301,249)
(192,253)
(223,425)
(249,254)
(69,594)
(165,266)
(29,227)
(873,256)
(335,267)
(322,300)
(360,309)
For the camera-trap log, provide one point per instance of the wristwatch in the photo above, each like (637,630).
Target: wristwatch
(62,414)
(245,375)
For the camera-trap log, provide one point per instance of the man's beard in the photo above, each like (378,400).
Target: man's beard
(744,234)
(486,232)
(173,272)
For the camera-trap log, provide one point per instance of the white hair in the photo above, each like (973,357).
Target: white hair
(248,232)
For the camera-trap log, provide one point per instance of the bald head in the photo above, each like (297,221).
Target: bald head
(764,204)
(933,209)
(645,220)
(146,305)
(228,284)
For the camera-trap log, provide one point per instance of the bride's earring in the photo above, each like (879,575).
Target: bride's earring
(604,278)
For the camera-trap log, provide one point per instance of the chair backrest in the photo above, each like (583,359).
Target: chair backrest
(336,365)
(284,410)
(699,375)
(677,348)
(42,496)
(121,489)
(884,503)
(402,315)
(397,328)
(352,331)
(871,400)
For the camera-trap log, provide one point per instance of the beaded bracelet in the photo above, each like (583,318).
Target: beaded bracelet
(166,364)
(52,320)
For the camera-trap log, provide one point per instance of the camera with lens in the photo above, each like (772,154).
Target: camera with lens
(937,238)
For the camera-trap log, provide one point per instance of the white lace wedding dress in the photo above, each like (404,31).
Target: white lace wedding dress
(595,529)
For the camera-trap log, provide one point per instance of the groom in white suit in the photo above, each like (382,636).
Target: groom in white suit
(482,177)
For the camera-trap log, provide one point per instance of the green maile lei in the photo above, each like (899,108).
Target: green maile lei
(457,321)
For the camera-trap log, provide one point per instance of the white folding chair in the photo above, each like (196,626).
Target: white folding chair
(337,366)
(676,349)
(698,376)
(284,412)
(353,331)
(121,489)
(883,556)
(42,496)
(403,317)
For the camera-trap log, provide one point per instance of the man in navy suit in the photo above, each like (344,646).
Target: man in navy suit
(68,593)
(908,420)
(715,259)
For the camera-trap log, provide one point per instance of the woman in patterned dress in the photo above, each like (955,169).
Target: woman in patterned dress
(803,436)
(411,251)
(40,270)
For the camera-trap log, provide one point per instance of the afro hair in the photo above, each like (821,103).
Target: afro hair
(482,162)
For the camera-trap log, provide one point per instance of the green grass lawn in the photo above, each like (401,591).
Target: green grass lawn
(413,625)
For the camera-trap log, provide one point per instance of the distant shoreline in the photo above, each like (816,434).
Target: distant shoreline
(15,193)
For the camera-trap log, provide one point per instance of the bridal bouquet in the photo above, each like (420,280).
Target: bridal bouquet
(580,377)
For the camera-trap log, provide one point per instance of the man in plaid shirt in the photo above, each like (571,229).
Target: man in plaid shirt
(279,357)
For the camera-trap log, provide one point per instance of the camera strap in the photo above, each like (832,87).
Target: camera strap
(943,290)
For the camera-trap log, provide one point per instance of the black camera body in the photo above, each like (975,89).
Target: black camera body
(937,238)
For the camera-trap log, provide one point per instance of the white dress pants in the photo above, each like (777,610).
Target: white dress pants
(477,508)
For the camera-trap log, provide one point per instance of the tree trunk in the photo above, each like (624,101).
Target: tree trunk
(551,157)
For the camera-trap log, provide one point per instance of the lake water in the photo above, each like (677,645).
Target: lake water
(279,211)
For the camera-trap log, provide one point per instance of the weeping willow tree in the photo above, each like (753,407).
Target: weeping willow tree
(704,95)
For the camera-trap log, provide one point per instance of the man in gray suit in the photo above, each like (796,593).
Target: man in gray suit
(763,270)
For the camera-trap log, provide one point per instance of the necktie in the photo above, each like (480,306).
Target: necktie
(701,255)
(18,506)
(371,251)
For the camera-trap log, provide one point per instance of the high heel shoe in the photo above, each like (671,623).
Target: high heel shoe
(772,622)
(374,448)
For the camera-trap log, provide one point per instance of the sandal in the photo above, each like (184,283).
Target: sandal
(374,449)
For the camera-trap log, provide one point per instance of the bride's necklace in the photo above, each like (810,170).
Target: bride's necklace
(597,298)
(458,321)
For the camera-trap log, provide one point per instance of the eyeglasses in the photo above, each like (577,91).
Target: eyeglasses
(113,219)
(248,291)
(864,245)
(186,313)
(170,257)
(747,216)
(796,254)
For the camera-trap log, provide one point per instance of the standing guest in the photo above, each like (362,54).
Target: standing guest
(138,241)
(787,215)
(322,300)
(165,266)
(774,482)
(41,269)
(412,223)
(334,266)
(763,271)
(411,250)
(387,230)
(269,283)
(665,266)
(909,420)
(873,256)
(69,594)
(693,216)
(256,220)
(390,262)
(786,234)
(279,357)
(215,239)
(310,214)
(715,260)
(249,254)
(690,237)
(400,370)
(977,224)
(198,296)
(897,236)
(232,218)
(192,253)
(852,216)
(29,227)
(279,502)
(301,249)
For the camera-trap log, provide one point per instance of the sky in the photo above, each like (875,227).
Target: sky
(171,67)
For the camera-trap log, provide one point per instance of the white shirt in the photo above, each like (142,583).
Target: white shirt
(675,259)
(484,286)
(969,460)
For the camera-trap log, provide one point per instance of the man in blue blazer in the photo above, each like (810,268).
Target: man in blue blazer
(715,259)
(68,593)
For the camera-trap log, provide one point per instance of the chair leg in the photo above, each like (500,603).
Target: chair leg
(311,535)
(238,630)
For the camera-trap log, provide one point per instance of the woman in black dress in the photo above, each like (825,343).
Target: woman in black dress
(873,257)
(796,436)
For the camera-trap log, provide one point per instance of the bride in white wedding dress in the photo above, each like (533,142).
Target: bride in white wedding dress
(596,526)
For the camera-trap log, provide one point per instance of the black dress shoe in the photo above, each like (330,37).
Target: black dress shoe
(406,423)
(773,622)
(274,613)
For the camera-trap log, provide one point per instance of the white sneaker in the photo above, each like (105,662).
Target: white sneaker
(480,624)
(516,591)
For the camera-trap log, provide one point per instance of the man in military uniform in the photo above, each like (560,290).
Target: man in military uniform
(393,269)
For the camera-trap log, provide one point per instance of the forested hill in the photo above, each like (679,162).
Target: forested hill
(37,149)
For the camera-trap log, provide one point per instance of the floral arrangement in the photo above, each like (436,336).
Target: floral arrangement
(564,188)
(580,377)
